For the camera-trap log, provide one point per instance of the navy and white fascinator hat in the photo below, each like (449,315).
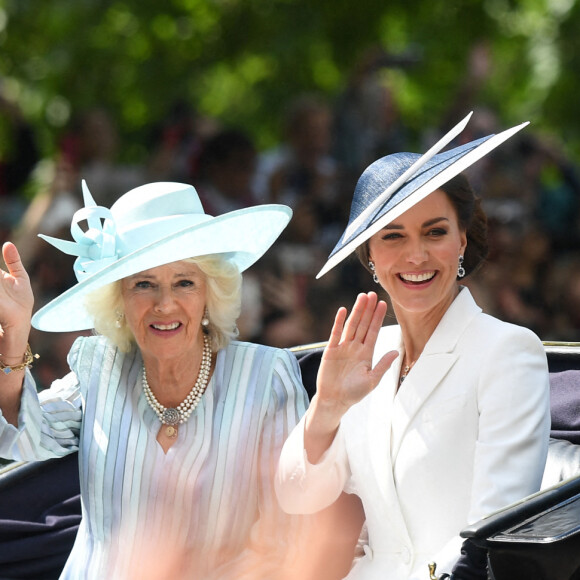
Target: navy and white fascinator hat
(395,183)
(152,225)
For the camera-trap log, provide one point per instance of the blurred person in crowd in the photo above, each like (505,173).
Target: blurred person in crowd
(225,172)
(19,155)
(287,328)
(90,145)
(479,66)
(302,172)
(513,285)
(49,210)
(554,182)
(178,426)
(177,141)
(367,121)
(302,166)
(440,419)
(563,296)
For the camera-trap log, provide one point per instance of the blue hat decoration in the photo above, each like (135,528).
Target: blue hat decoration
(395,183)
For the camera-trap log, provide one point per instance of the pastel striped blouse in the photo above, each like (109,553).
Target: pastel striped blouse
(210,499)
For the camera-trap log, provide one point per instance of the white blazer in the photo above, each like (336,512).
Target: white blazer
(465,435)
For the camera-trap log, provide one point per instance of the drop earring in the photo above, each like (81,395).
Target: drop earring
(372,268)
(460,268)
(205,322)
(119,319)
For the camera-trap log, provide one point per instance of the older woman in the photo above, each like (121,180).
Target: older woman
(441,419)
(178,426)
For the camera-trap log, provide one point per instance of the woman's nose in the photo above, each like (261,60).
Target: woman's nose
(417,252)
(164,300)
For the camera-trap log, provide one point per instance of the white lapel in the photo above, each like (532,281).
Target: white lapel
(378,412)
(432,366)
(377,467)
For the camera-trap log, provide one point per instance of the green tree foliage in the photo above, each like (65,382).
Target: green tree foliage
(242,60)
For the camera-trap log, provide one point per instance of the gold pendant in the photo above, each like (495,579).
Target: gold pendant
(171,431)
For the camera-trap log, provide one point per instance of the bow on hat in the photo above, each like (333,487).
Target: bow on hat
(95,247)
(149,226)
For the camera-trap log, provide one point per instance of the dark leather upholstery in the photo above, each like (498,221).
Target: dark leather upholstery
(539,537)
(40,512)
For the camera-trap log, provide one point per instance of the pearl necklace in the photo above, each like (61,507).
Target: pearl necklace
(172,417)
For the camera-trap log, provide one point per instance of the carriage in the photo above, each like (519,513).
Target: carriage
(537,538)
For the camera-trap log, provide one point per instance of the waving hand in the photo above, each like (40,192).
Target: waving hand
(346,374)
(16,302)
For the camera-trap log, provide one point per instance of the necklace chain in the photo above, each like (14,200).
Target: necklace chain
(172,417)
(406,372)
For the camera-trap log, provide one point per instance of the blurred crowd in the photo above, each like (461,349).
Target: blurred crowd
(530,190)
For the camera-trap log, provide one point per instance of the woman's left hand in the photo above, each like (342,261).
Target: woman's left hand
(346,374)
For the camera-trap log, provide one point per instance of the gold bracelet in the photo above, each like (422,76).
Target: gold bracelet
(28,360)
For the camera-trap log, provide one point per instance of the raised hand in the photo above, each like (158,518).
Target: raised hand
(16,302)
(346,374)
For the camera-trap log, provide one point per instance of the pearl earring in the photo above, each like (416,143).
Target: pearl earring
(205,322)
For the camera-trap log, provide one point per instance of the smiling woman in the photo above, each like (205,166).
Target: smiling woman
(416,257)
(178,426)
(441,419)
(163,308)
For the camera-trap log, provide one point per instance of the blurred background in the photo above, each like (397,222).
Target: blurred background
(255,101)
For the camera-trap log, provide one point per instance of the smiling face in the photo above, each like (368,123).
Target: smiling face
(416,256)
(164,307)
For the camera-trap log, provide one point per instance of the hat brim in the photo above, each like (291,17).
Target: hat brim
(415,190)
(242,236)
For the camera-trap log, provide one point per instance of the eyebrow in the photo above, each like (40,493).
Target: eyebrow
(186,274)
(426,224)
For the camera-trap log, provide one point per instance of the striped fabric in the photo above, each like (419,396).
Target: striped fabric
(208,504)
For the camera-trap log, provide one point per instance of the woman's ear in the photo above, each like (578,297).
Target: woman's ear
(463,238)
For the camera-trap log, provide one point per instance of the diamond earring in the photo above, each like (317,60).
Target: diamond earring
(372,267)
(460,268)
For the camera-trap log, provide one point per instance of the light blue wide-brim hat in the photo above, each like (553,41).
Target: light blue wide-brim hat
(149,226)
(393,184)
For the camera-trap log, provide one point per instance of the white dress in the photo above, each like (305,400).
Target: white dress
(466,434)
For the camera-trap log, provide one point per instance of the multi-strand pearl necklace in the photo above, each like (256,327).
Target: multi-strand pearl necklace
(172,417)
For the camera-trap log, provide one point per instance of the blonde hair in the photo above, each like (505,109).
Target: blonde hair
(223,302)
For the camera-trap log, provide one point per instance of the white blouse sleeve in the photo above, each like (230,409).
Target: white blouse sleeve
(306,488)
